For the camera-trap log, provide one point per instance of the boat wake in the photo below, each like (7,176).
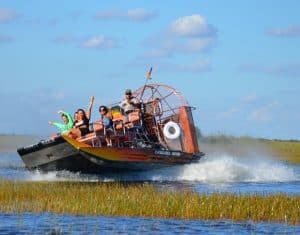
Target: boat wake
(213,169)
(230,169)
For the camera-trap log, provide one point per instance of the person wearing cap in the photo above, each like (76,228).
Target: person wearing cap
(130,103)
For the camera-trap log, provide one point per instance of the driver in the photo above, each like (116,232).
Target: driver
(130,103)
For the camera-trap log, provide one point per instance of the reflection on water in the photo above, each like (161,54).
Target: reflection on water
(46,223)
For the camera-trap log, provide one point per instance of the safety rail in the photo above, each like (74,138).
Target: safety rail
(151,118)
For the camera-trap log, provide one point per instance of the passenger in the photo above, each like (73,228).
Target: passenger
(68,122)
(106,119)
(81,127)
(129,104)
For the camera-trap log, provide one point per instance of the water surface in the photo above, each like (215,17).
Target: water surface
(222,173)
(28,223)
(214,173)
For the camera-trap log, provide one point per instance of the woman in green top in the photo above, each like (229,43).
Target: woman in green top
(68,122)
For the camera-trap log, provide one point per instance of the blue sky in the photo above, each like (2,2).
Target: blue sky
(237,62)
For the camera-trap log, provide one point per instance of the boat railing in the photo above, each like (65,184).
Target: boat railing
(151,119)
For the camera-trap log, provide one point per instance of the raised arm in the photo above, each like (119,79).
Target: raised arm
(70,118)
(89,109)
(60,126)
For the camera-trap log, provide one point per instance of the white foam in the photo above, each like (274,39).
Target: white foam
(37,176)
(225,168)
(212,169)
(64,176)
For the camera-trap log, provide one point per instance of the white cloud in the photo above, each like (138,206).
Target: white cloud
(44,22)
(136,14)
(290,31)
(108,14)
(188,34)
(192,26)
(198,44)
(48,100)
(289,70)
(7,15)
(168,46)
(264,113)
(199,65)
(98,42)
(140,14)
(92,42)
(229,113)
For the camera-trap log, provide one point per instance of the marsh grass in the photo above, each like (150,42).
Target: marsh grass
(115,199)
(246,146)
(285,150)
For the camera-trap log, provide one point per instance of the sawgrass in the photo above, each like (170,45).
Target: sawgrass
(143,200)
(247,146)
(285,150)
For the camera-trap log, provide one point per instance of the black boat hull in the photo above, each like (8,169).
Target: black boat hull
(59,155)
(54,155)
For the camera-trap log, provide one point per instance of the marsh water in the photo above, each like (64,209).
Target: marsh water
(216,172)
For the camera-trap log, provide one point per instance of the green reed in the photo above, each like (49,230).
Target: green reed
(285,150)
(115,199)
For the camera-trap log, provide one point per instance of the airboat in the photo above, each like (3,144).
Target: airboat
(161,133)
